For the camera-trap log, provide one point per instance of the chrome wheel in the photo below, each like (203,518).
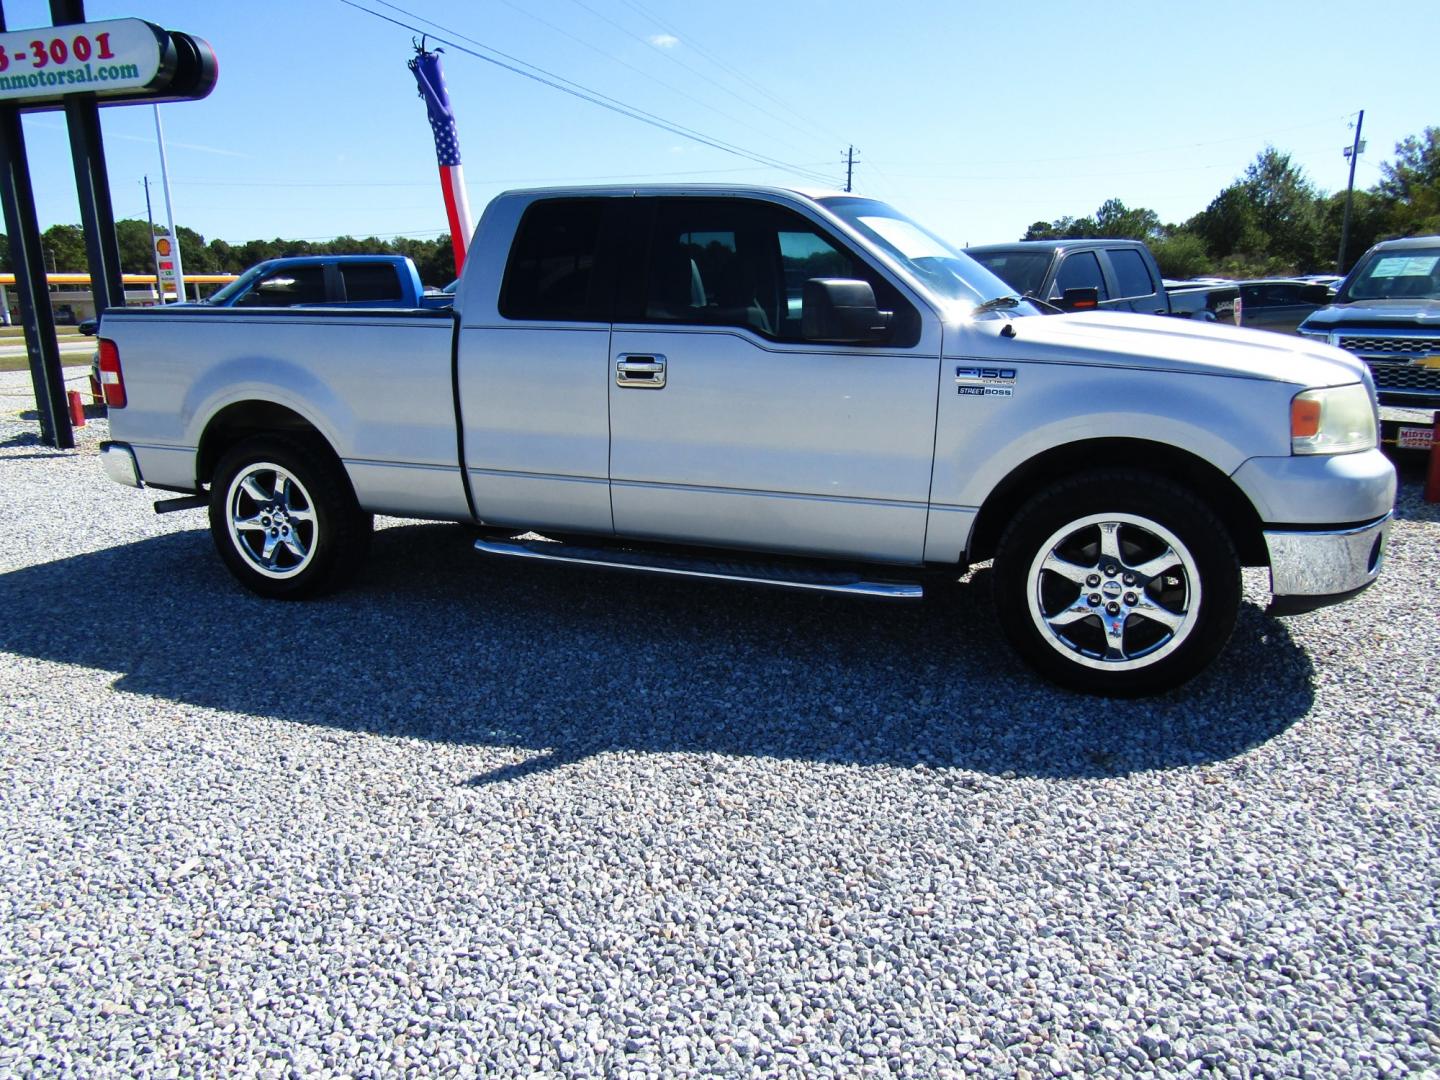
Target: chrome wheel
(271,520)
(1114,591)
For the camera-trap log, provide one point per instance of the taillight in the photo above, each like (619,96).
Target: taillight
(112,382)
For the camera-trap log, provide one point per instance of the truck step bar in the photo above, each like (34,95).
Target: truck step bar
(752,573)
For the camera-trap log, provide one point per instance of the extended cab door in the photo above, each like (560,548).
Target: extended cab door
(533,351)
(729,428)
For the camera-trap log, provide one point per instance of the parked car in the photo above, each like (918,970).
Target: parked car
(1387,312)
(1280,304)
(1108,275)
(760,385)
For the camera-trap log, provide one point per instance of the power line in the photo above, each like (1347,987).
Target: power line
(665,53)
(579,90)
(635,6)
(473,180)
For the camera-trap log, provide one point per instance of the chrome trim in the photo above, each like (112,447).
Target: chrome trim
(650,366)
(874,589)
(118,461)
(1325,563)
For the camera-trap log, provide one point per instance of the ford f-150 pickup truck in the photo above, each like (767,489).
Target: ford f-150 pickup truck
(766,385)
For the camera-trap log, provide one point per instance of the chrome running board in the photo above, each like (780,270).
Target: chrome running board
(756,573)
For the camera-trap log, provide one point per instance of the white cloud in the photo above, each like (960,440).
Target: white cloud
(664,41)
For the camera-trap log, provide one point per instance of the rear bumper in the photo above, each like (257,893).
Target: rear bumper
(1310,570)
(120,465)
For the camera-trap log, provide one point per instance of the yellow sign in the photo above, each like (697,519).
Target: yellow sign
(1432,361)
(162,246)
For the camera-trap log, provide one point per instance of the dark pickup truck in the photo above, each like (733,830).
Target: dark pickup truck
(1114,275)
(1387,312)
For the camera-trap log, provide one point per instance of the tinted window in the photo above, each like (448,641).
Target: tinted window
(739,263)
(551,272)
(287,288)
(1132,275)
(1080,271)
(1023,271)
(374,282)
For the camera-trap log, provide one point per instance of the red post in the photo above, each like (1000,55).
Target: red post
(77,408)
(1432,477)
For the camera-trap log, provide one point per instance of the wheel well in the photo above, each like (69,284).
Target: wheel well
(236,423)
(1062,462)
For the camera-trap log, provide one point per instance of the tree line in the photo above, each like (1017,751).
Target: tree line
(1271,220)
(63,247)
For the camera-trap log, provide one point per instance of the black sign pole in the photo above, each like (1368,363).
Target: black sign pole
(92,181)
(30,281)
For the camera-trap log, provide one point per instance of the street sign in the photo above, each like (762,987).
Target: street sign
(167,253)
(120,61)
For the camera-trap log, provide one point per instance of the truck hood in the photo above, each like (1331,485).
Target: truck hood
(1168,344)
(1376,313)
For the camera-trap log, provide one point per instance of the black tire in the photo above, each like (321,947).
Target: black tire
(284,518)
(1061,592)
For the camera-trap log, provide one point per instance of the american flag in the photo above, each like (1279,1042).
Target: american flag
(431,80)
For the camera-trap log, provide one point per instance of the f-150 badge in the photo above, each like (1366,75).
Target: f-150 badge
(985,381)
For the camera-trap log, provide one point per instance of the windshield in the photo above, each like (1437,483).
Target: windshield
(238,286)
(948,273)
(1409,274)
(1023,271)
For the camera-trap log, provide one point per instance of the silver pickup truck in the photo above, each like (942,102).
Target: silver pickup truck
(770,386)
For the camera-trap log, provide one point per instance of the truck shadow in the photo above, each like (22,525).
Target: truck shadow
(438,643)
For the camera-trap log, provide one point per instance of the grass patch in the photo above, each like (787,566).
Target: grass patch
(21,363)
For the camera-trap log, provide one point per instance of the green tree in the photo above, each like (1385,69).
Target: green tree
(1181,254)
(63,247)
(1116,221)
(1411,184)
(1286,206)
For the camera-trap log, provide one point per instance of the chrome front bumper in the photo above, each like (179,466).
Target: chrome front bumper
(1310,570)
(120,465)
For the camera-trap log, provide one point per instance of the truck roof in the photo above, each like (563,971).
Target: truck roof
(1055,245)
(638,190)
(1408,242)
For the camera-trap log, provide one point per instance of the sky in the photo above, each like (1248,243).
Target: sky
(975,119)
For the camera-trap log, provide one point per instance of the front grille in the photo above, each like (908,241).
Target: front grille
(1409,377)
(1389,346)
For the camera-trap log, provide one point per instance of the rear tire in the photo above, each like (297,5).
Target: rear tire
(284,518)
(1117,582)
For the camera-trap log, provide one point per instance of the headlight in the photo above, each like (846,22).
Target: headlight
(1335,420)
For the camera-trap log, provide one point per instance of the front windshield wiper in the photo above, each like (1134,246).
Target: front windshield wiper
(995,303)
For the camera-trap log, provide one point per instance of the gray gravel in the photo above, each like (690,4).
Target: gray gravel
(481,819)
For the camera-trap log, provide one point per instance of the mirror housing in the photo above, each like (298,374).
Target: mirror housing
(1080,299)
(842,311)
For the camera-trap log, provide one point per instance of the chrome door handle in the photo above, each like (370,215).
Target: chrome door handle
(640,371)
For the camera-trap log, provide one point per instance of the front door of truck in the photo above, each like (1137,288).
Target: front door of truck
(728,428)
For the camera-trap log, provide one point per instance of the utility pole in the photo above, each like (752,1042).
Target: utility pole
(1352,153)
(849,167)
(154,255)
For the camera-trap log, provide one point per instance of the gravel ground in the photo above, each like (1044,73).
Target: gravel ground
(481,819)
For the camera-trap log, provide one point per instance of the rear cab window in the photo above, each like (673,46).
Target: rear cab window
(551,274)
(1132,275)
(373,283)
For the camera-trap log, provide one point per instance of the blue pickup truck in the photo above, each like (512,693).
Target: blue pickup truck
(388,281)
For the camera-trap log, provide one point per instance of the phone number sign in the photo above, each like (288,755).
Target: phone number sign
(109,59)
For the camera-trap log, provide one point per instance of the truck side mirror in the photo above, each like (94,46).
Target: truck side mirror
(842,310)
(1080,299)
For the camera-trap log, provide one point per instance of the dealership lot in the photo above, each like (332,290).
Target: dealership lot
(494,819)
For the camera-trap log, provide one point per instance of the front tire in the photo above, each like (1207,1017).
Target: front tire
(1117,582)
(284,518)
